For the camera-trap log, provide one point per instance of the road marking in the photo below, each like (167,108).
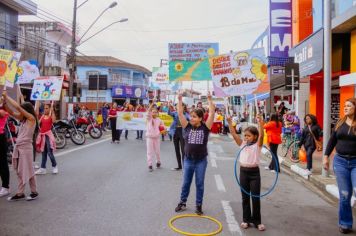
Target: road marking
(234,226)
(219,183)
(80,148)
(213,163)
(212,154)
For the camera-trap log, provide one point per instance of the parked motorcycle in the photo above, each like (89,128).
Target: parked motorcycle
(61,140)
(69,129)
(87,124)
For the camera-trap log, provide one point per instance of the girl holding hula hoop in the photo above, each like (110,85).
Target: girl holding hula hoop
(250,178)
(195,135)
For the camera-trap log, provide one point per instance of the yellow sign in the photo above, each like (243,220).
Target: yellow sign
(167,119)
(9,61)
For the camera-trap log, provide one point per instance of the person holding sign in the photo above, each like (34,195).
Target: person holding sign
(22,158)
(154,126)
(196,135)
(250,177)
(46,142)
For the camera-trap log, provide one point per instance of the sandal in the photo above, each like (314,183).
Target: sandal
(261,227)
(245,225)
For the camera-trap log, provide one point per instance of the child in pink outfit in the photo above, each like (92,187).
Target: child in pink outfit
(153,137)
(250,178)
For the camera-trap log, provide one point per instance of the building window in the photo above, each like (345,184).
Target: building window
(57,52)
(121,77)
(94,99)
(93,82)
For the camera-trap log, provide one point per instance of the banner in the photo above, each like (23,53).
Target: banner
(192,51)
(137,120)
(160,78)
(122,91)
(280,33)
(26,72)
(240,73)
(189,70)
(47,88)
(9,61)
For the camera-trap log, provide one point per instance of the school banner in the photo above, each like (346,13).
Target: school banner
(9,61)
(189,70)
(47,88)
(240,73)
(26,72)
(137,120)
(192,51)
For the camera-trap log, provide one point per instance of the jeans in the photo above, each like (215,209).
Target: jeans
(139,134)
(272,165)
(250,180)
(198,167)
(345,171)
(126,134)
(4,166)
(48,152)
(179,145)
(310,151)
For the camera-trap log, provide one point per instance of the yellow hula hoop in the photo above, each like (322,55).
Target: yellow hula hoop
(197,216)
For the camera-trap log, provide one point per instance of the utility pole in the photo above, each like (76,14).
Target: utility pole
(327,77)
(72,64)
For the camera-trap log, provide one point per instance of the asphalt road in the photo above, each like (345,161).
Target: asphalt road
(106,189)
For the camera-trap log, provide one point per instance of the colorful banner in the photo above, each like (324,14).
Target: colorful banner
(26,72)
(192,51)
(47,88)
(160,75)
(137,120)
(189,70)
(122,91)
(240,73)
(280,34)
(9,61)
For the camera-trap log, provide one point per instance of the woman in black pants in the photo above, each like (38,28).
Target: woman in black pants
(311,132)
(115,134)
(274,130)
(4,167)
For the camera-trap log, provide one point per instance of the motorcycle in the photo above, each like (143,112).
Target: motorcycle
(61,140)
(69,129)
(87,124)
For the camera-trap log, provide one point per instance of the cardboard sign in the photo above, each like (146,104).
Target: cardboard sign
(9,61)
(47,88)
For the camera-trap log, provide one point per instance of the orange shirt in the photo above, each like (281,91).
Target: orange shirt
(273,132)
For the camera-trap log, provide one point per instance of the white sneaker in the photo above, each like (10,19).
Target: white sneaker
(41,171)
(267,168)
(273,171)
(55,170)
(4,192)
(36,166)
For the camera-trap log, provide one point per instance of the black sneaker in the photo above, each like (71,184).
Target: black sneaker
(158,165)
(199,210)
(181,207)
(176,169)
(32,197)
(16,198)
(150,169)
(345,230)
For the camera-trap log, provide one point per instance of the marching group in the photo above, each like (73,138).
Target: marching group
(189,132)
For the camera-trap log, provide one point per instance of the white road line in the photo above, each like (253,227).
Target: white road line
(213,163)
(230,218)
(219,183)
(80,148)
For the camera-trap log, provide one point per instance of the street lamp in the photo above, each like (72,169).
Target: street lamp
(74,44)
(103,29)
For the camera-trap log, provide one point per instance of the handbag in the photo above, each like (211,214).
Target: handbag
(318,144)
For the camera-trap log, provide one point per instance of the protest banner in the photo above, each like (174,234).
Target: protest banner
(47,88)
(240,73)
(189,70)
(9,61)
(26,72)
(160,78)
(192,51)
(137,120)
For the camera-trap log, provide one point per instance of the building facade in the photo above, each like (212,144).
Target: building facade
(107,79)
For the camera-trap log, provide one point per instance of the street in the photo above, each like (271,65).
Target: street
(106,189)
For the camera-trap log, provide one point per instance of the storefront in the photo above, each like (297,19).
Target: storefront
(132,94)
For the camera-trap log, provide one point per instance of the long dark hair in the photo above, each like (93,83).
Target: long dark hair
(27,106)
(313,119)
(343,120)
(275,118)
